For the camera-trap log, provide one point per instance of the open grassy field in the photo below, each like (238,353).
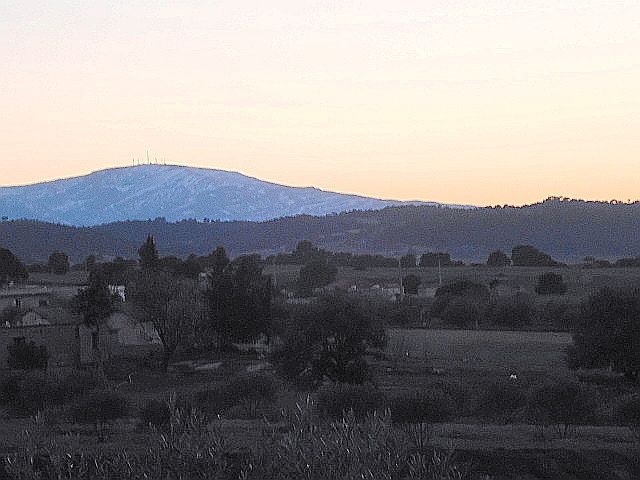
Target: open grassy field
(580,281)
(501,352)
(467,361)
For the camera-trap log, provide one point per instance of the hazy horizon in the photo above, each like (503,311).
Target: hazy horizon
(477,103)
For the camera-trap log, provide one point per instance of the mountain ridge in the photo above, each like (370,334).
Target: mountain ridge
(567,230)
(176,193)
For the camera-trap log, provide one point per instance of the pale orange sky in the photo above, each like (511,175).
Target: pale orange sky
(479,102)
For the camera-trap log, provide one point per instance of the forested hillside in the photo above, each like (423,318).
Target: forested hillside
(566,229)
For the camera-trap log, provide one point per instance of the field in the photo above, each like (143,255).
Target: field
(495,352)
(461,363)
(580,281)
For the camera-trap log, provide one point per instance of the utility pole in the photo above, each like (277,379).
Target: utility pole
(400,278)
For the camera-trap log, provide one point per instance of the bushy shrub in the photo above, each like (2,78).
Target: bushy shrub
(334,401)
(79,383)
(551,284)
(429,406)
(155,413)
(461,312)
(27,393)
(27,356)
(501,399)
(515,311)
(98,408)
(628,411)
(559,314)
(564,403)
(250,391)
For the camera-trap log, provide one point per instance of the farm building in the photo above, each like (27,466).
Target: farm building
(74,345)
(61,342)
(24,297)
(121,336)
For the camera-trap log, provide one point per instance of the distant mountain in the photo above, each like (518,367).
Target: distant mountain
(568,230)
(171,192)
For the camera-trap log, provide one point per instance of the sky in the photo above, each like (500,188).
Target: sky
(476,102)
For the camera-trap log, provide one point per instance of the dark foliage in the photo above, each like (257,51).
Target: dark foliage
(148,253)
(94,302)
(436,259)
(328,339)
(27,356)
(498,259)
(11,268)
(503,398)
(335,401)
(460,303)
(550,284)
(315,274)
(411,283)
(628,411)
(408,261)
(58,263)
(239,301)
(99,407)
(428,406)
(608,332)
(565,229)
(173,305)
(27,393)
(564,403)
(529,256)
(155,413)
(515,311)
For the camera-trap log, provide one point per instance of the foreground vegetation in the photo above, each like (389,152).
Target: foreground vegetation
(332,386)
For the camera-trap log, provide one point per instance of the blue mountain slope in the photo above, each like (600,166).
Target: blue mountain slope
(173,192)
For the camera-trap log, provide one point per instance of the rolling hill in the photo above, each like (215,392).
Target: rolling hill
(568,230)
(172,192)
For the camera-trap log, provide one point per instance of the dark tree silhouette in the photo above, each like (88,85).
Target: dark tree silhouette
(58,263)
(11,268)
(431,259)
(529,256)
(408,261)
(315,274)
(550,284)
(239,301)
(174,306)
(328,339)
(411,283)
(498,259)
(148,253)
(607,333)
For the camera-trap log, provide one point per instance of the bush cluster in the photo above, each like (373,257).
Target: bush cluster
(247,392)
(32,391)
(192,448)
(334,401)
(430,406)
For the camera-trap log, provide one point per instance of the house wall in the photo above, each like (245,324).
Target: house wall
(26,301)
(61,342)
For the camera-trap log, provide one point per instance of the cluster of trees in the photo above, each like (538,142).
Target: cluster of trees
(11,268)
(608,333)
(530,256)
(233,305)
(631,262)
(328,339)
(305,253)
(464,303)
